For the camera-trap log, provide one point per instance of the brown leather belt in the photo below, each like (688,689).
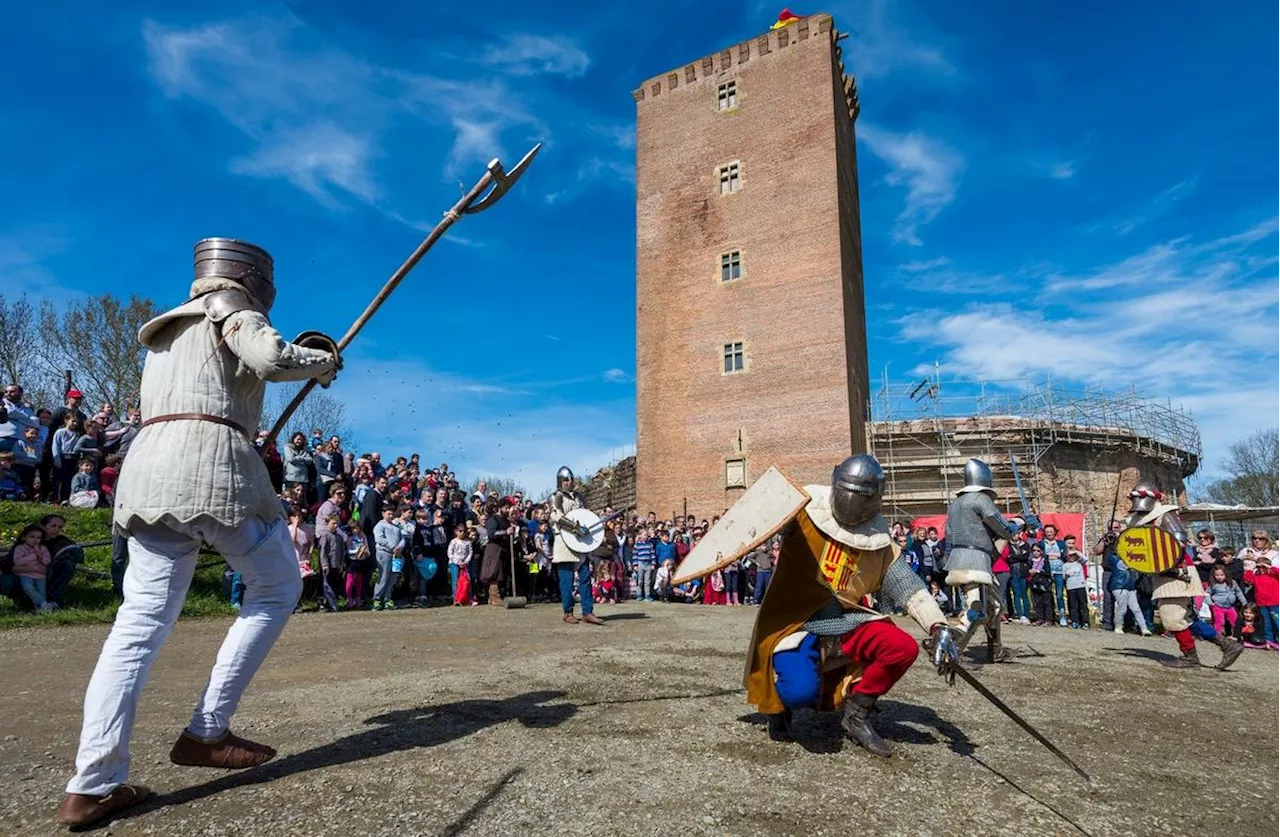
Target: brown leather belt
(225,422)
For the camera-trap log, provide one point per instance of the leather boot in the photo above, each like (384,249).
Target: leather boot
(780,726)
(1188,660)
(570,619)
(495,598)
(857,725)
(229,751)
(78,810)
(592,619)
(1231,651)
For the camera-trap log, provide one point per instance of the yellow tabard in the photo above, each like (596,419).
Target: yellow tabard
(810,567)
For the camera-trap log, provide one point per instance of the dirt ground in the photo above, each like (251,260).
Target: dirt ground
(471,721)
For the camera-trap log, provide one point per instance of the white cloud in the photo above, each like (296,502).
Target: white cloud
(313,157)
(532,54)
(1063,170)
(882,44)
(929,169)
(617,376)
(1194,322)
(315,115)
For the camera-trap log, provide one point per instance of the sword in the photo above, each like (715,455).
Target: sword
(1017,719)
(1028,516)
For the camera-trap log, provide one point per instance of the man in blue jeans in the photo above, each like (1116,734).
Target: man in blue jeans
(570,566)
(765,560)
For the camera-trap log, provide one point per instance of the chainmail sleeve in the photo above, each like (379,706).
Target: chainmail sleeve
(902,587)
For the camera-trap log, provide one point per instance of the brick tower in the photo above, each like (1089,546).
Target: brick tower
(751,329)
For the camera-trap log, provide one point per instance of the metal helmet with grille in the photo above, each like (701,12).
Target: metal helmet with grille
(977,477)
(857,489)
(1143,499)
(564,474)
(234,261)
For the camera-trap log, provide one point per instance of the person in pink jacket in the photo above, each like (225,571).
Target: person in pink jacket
(31,565)
(1266,593)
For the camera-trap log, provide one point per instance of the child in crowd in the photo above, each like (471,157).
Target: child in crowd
(27,454)
(64,462)
(389,548)
(605,590)
(1041,587)
(108,476)
(940,596)
(358,567)
(644,558)
(332,544)
(1224,595)
(731,584)
(85,492)
(1252,632)
(662,582)
(1266,595)
(303,538)
(31,561)
(10,484)
(1073,576)
(459,558)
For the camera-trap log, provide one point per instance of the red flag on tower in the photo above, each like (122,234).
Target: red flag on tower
(785,18)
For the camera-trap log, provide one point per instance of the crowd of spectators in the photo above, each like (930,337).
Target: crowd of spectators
(1044,580)
(382,535)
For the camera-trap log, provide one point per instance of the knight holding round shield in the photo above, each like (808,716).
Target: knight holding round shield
(817,644)
(1155,541)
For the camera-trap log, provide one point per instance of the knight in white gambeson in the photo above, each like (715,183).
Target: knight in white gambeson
(194,477)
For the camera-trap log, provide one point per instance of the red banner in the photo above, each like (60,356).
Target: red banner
(1068,524)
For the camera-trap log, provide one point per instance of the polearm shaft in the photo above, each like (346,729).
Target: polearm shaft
(500,181)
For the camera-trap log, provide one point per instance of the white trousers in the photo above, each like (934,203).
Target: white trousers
(162,560)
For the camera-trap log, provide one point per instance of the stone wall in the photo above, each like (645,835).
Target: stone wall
(613,485)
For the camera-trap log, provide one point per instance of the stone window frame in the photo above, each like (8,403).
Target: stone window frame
(728,262)
(727,175)
(727,96)
(732,464)
(733,353)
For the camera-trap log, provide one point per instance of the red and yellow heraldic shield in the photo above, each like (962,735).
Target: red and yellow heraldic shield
(1149,550)
(839,567)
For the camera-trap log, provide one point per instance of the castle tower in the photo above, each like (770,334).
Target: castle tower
(751,330)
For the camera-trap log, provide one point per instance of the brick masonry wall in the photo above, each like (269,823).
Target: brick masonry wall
(795,223)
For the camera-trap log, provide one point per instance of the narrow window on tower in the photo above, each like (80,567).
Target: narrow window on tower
(730,266)
(727,96)
(732,358)
(730,181)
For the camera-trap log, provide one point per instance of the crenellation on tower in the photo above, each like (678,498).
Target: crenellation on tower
(765,44)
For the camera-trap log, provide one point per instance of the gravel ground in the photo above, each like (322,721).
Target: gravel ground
(472,721)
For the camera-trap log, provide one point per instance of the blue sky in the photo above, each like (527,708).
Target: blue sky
(1084,191)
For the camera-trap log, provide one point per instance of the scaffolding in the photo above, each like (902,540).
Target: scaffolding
(925,430)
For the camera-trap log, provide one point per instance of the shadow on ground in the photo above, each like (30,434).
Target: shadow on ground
(406,729)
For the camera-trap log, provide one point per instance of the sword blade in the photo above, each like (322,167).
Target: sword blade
(1017,719)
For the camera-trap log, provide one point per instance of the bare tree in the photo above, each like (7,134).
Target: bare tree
(19,339)
(505,486)
(1253,475)
(319,410)
(97,339)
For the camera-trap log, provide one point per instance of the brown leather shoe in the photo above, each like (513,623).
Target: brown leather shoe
(78,809)
(570,619)
(592,619)
(230,752)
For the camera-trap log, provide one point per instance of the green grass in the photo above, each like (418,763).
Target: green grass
(89,599)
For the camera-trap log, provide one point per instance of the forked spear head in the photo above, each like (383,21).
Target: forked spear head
(502,180)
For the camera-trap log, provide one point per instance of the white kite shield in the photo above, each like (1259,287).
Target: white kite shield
(769,504)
